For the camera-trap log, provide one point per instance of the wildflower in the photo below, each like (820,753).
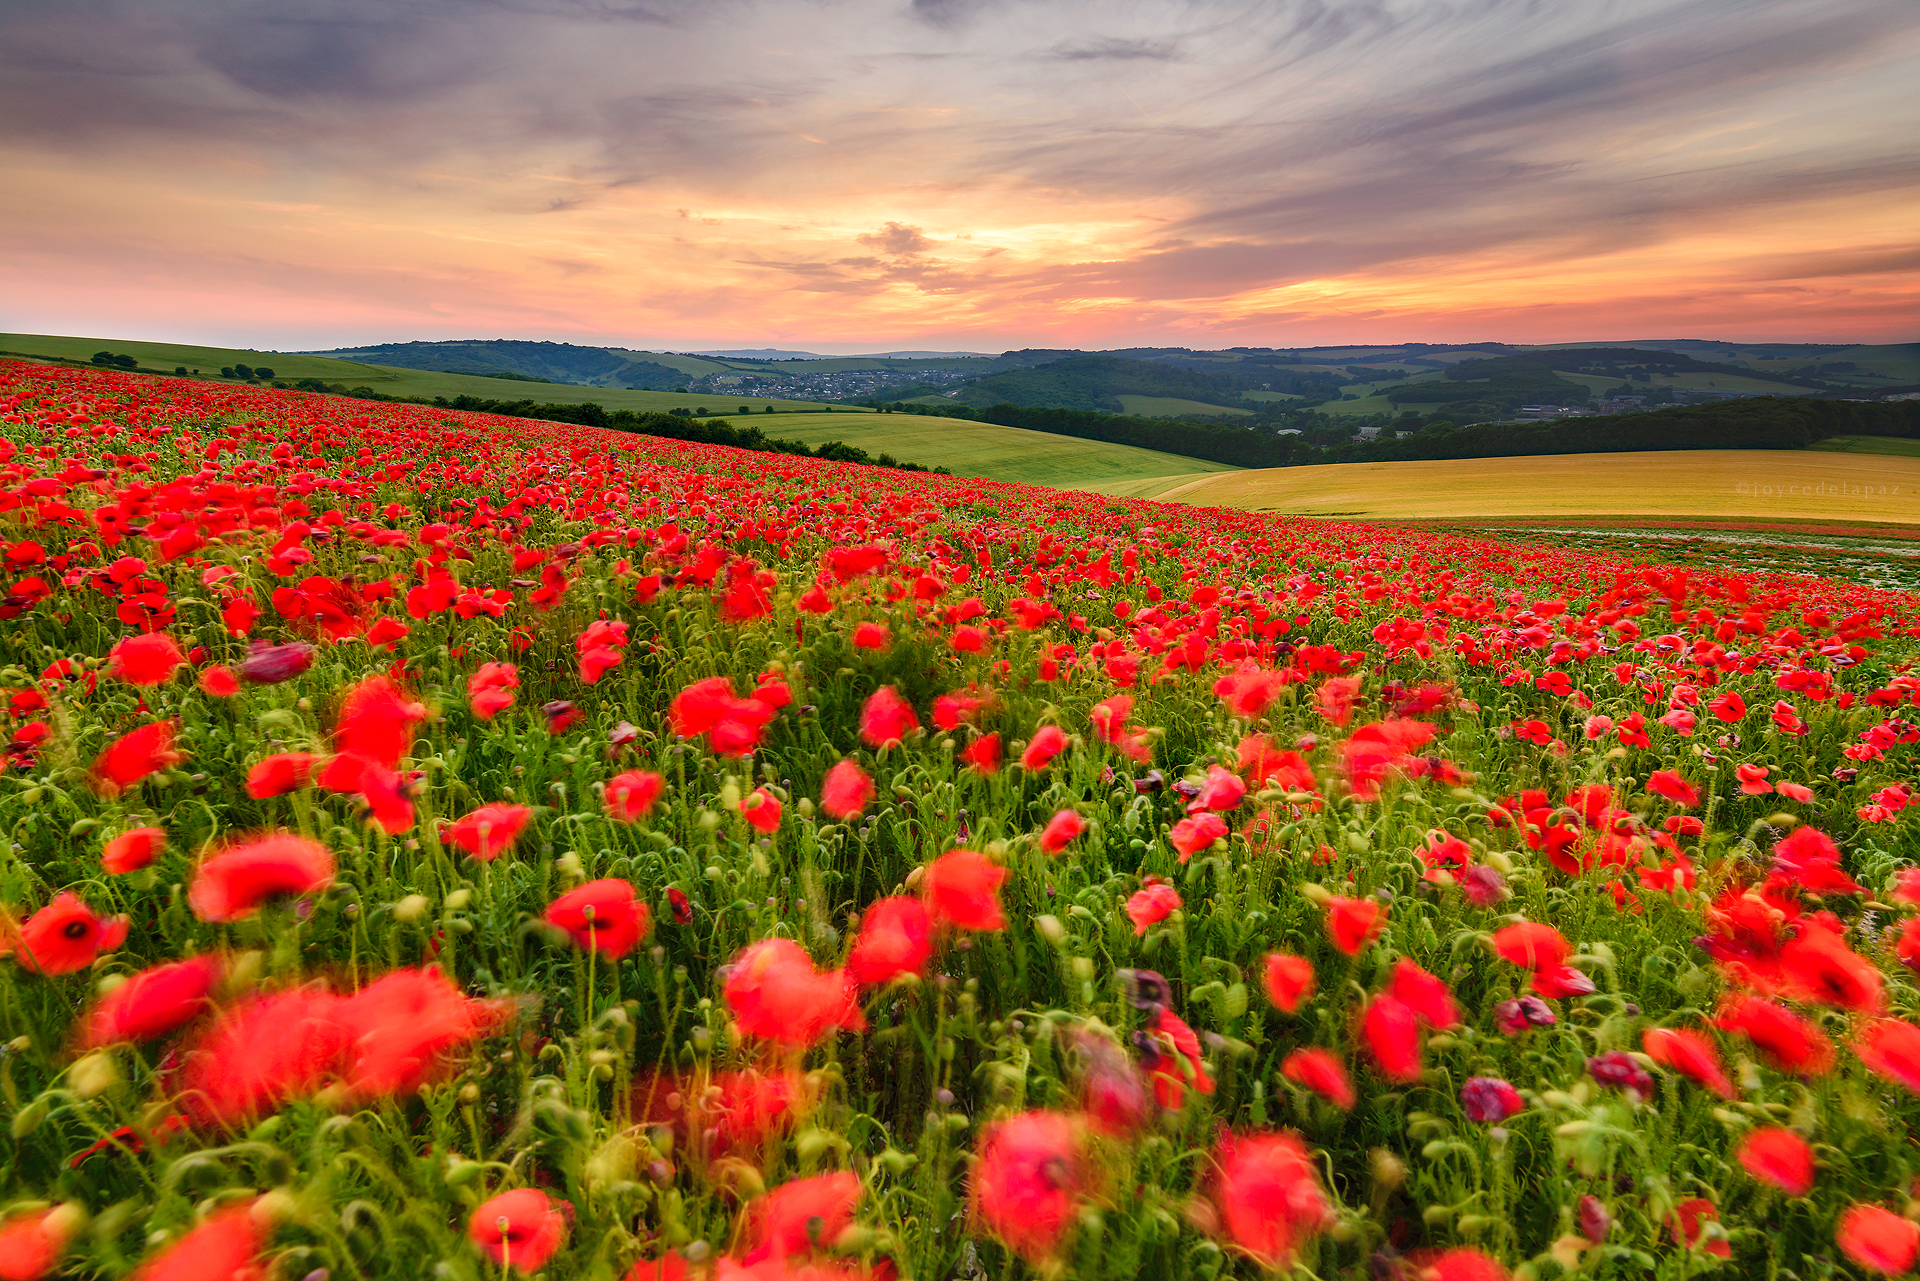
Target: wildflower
(1152,905)
(1322,1072)
(271,664)
(132,757)
(1521,1014)
(518,1229)
(1534,947)
(233,882)
(886,719)
(489,831)
(1222,791)
(397,1031)
(218,681)
(32,1243)
(226,1245)
(1174,1061)
(1690,1054)
(1061,831)
(1774,1154)
(982,755)
(602,916)
(962,888)
(66,935)
(872,636)
(846,791)
(279,774)
(1594,1219)
(630,796)
(1728,706)
(260,1053)
(132,850)
(1268,1196)
(1027,1182)
(774,991)
(1446,857)
(1482,885)
(1112,1095)
(561,716)
(150,659)
(1878,1239)
(490,690)
(1289,981)
(1048,742)
(680,905)
(794,1217)
(1618,1068)
(733,725)
(761,809)
(1392,1029)
(1425,993)
(1191,835)
(376,721)
(1668,783)
(1489,1099)
(1688,1225)
(1789,1042)
(1891,1048)
(1819,967)
(895,939)
(152,1003)
(1352,923)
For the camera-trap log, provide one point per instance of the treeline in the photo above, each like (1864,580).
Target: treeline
(1754,423)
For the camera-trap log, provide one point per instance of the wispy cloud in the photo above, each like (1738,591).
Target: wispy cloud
(965,171)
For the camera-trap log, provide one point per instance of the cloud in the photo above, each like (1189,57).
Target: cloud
(898,239)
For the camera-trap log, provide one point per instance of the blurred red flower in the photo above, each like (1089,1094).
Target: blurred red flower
(603,916)
(895,939)
(154,1002)
(132,850)
(132,757)
(775,992)
(1028,1178)
(225,1247)
(233,882)
(150,659)
(1352,923)
(488,832)
(800,1215)
(520,1229)
(66,935)
(629,796)
(962,888)
(1289,980)
(1774,1154)
(1878,1240)
(1322,1072)
(1268,1196)
(846,791)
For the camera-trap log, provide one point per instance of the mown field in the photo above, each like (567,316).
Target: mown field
(386,380)
(1677,485)
(464,847)
(986,449)
(1893,445)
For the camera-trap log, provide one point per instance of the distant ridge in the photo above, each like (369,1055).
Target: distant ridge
(776,353)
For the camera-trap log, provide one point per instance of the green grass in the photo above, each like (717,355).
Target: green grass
(388,381)
(987,449)
(1869,445)
(1270,395)
(1171,407)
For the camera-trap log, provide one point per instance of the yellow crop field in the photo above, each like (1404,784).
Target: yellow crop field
(1761,485)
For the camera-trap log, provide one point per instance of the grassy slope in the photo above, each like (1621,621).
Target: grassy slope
(1690,483)
(989,450)
(1171,407)
(1893,445)
(387,381)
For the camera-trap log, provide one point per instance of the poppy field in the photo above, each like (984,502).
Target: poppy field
(451,846)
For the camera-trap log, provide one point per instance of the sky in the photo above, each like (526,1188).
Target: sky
(844,175)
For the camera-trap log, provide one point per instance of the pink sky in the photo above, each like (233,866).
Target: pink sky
(847,174)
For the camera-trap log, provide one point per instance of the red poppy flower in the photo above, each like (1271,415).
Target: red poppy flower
(1048,742)
(1322,1072)
(152,1003)
(1690,1054)
(982,755)
(761,809)
(886,719)
(603,916)
(489,831)
(376,721)
(1427,994)
(1352,923)
(962,888)
(1688,1226)
(1392,1029)
(1268,1196)
(872,636)
(145,660)
(792,1218)
(1028,1178)
(1891,1049)
(273,664)
(1061,831)
(234,882)
(490,690)
(1289,980)
(895,939)
(1191,835)
(32,1243)
(1532,946)
(132,850)
(1176,1063)
(1819,967)
(66,935)
(132,757)
(1152,905)
(226,1246)
(1222,791)
(681,906)
(1786,1040)
(262,1052)
(1112,1095)
(775,992)
(1878,1239)
(846,791)
(281,773)
(1776,1155)
(1668,783)
(519,1229)
(218,681)
(398,1030)
(733,725)
(629,796)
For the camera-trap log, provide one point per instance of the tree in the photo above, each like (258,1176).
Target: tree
(242,371)
(263,372)
(746,409)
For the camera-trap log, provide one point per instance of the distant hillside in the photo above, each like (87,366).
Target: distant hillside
(556,361)
(1097,383)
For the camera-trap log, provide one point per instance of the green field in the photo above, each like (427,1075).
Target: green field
(989,450)
(1171,407)
(1893,445)
(289,367)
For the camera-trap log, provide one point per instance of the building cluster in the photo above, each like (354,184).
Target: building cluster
(841,384)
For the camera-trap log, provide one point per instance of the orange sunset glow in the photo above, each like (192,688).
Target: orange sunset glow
(952,174)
